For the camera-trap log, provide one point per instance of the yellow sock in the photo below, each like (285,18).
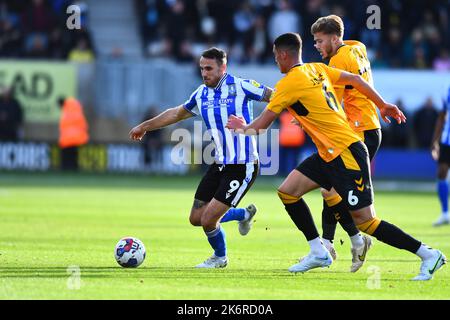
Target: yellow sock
(287,198)
(333,200)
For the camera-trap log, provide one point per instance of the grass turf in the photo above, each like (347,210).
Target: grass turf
(52,224)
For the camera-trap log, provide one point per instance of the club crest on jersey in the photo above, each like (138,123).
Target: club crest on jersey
(205,92)
(232,89)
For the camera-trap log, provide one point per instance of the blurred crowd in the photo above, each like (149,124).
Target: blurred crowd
(36,29)
(412,34)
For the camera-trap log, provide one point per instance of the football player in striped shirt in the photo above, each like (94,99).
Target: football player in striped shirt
(440,151)
(236,158)
(342,159)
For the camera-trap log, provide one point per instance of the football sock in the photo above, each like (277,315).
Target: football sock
(424,252)
(299,212)
(443,195)
(335,210)
(327,243)
(329,222)
(317,247)
(216,239)
(357,240)
(238,214)
(390,234)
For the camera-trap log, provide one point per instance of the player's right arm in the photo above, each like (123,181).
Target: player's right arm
(166,118)
(346,78)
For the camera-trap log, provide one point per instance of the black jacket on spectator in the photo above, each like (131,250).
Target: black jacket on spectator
(424,122)
(11,118)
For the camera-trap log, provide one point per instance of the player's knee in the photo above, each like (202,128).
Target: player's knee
(327,193)
(195,219)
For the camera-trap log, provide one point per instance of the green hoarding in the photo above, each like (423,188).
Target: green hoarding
(38,85)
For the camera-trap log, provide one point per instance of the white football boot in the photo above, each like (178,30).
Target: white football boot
(430,266)
(246,224)
(359,254)
(443,219)
(214,262)
(310,262)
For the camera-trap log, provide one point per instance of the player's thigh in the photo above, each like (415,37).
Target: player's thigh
(372,140)
(235,181)
(204,193)
(197,211)
(328,193)
(350,176)
(363,215)
(309,175)
(443,161)
(442,170)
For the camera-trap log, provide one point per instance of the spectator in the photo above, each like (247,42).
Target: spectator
(81,53)
(73,132)
(11,116)
(152,143)
(11,38)
(399,133)
(442,63)
(424,121)
(285,19)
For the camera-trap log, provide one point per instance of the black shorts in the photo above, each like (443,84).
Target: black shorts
(348,174)
(444,154)
(372,140)
(227,183)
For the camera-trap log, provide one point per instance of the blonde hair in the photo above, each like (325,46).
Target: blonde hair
(331,24)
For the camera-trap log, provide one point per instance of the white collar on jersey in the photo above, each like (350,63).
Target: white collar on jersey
(221,81)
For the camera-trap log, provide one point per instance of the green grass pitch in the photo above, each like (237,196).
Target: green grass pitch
(54,224)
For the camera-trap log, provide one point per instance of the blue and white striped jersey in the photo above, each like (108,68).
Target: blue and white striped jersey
(445,137)
(231,96)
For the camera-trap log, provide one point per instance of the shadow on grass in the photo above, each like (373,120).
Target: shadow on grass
(178,273)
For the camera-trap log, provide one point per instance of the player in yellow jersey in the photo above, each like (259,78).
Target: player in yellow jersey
(342,160)
(350,56)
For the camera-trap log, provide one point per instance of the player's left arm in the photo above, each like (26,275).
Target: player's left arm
(256,91)
(386,109)
(257,126)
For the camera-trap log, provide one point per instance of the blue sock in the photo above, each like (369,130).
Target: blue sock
(234,214)
(216,239)
(443,194)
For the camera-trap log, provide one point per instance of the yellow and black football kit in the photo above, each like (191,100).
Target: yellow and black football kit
(361,112)
(342,160)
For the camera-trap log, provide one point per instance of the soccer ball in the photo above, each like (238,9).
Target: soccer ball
(129,252)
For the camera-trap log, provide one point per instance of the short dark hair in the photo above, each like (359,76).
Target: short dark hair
(290,41)
(331,24)
(215,53)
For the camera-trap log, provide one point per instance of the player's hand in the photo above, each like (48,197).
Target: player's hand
(391,110)
(137,133)
(435,151)
(235,123)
